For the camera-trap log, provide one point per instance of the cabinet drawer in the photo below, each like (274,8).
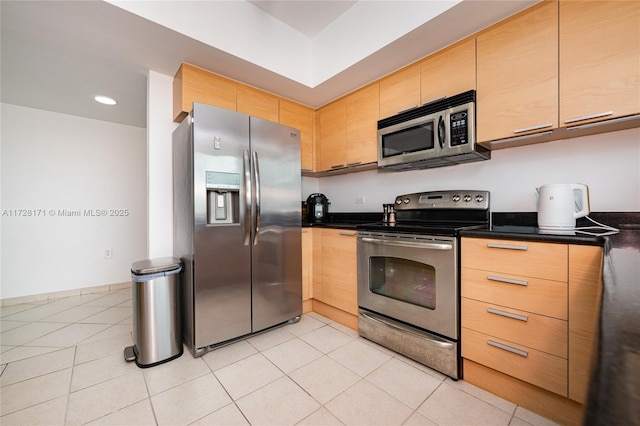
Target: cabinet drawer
(535,295)
(541,260)
(532,366)
(524,328)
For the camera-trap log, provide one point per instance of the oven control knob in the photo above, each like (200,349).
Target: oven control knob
(406,201)
(479,198)
(455,198)
(467,198)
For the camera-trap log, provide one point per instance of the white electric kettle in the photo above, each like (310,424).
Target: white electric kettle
(559,206)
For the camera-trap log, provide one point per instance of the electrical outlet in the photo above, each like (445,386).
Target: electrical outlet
(359,200)
(108,253)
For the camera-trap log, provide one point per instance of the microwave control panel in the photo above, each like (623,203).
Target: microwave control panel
(459,128)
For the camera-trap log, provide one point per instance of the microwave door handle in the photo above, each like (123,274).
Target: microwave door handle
(441,132)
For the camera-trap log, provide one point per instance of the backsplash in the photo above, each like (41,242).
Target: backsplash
(609,164)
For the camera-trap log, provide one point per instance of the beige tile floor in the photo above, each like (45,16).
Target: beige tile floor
(62,364)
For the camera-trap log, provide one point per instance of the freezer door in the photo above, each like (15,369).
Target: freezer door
(276,238)
(222,274)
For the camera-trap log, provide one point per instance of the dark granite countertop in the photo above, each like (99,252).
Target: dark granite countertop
(614,394)
(344,220)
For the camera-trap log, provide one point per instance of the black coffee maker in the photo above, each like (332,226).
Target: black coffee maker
(317,208)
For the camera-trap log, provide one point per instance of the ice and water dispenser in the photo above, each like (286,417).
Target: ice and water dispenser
(223,198)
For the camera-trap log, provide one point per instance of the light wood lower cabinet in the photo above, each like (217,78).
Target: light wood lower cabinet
(334,275)
(339,272)
(307,263)
(529,317)
(585,289)
(522,362)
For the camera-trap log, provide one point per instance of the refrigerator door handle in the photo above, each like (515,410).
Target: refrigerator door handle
(247,196)
(256,171)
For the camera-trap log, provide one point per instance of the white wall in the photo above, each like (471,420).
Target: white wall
(53,162)
(159,160)
(608,163)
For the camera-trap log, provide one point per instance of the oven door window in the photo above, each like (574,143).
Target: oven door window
(412,139)
(403,279)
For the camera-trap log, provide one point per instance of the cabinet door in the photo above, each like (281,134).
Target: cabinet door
(585,287)
(192,84)
(547,261)
(362,126)
(333,136)
(257,103)
(400,91)
(339,270)
(300,117)
(517,69)
(599,60)
(449,72)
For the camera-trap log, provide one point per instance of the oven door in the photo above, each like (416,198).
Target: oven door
(410,278)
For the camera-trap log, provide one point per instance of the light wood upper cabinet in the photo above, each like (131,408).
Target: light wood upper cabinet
(332,147)
(192,84)
(449,72)
(257,103)
(517,75)
(400,91)
(302,118)
(362,126)
(599,60)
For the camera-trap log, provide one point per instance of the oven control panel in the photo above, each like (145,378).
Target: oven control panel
(463,199)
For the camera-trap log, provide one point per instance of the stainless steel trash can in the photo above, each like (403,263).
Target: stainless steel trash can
(157,329)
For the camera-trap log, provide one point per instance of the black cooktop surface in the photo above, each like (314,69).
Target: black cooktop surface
(431,228)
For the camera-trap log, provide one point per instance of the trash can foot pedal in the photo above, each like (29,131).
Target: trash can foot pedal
(129,354)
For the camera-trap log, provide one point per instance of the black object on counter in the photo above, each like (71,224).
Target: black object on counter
(317,208)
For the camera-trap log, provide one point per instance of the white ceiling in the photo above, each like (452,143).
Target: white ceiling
(308,17)
(56,55)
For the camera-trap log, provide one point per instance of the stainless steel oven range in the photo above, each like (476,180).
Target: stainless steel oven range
(409,275)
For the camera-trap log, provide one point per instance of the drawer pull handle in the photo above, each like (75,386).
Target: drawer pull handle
(603,123)
(337,166)
(354,163)
(408,109)
(430,101)
(508,348)
(588,117)
(508,314)
(508,246)
(519,138)
(348,234)
(538,127)
(507,280)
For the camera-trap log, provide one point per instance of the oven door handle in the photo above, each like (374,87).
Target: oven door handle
(412,244)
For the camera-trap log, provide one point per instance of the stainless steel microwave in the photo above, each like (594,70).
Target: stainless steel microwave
(441,133)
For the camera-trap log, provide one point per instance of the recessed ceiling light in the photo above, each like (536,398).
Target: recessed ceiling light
(105,100)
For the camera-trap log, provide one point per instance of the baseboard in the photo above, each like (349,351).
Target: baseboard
(307,306)
(45,297)
(540,401)
(335,314)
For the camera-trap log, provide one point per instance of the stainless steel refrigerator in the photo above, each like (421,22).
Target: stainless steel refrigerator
(236,202)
